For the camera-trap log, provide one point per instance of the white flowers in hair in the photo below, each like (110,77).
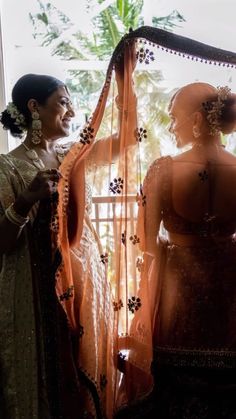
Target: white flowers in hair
(214,109)
(15,114)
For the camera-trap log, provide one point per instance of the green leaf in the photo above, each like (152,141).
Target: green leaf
(168,22)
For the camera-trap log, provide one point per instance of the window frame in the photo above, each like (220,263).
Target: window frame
(4,146)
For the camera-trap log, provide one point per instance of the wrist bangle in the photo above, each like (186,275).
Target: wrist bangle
(14,217)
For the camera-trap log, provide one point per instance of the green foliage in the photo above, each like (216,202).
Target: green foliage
(56,31)
(86,86)
(153,115)
(168,22)
(129,12)
(67,51)
(109,25)
(49,24)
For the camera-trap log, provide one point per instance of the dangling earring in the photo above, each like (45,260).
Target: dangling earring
(36,128)
(196,132)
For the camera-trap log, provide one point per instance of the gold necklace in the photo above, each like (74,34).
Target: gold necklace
(32,155)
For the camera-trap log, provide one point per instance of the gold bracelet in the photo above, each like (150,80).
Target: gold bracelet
(15,218)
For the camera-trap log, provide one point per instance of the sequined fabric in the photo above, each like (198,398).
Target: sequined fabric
(187,393)
(95,314)
(18,345)
(36,360)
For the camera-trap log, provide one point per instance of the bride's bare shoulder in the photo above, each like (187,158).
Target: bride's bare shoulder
(229,157)
(185,156)
(202,154)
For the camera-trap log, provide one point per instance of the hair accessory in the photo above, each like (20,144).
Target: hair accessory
(15,114)
(36,128)
(15,218)
(214,109)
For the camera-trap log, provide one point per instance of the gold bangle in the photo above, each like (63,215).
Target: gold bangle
(15,218)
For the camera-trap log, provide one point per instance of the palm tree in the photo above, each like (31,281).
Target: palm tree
(110,20)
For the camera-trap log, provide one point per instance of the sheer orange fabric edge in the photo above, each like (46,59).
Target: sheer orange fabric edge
(71,189)
(137,381)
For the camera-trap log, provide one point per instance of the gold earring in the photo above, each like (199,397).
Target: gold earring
(196,132)
(36,128)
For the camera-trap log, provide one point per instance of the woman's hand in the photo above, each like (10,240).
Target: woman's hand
(42,186)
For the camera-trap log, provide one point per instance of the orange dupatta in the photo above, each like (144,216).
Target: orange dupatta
(71,212)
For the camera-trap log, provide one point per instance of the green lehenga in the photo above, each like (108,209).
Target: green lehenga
(38,377)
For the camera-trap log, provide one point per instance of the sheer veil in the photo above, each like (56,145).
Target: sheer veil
(132,278)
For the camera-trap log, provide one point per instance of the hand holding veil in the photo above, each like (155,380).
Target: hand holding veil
(123,268)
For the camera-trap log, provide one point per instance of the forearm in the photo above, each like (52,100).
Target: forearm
(151,246)
(108,149)
(126,100)
(12,223)
(127,119)
(16,215)
(127,127)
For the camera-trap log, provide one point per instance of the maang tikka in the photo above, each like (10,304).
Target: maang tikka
(36,128)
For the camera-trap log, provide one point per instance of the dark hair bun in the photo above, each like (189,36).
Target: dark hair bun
(9,123)
(227,118)
(29,86)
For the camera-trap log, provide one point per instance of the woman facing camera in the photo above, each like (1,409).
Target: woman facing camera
(48,371)
(191,198)
(35,348)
